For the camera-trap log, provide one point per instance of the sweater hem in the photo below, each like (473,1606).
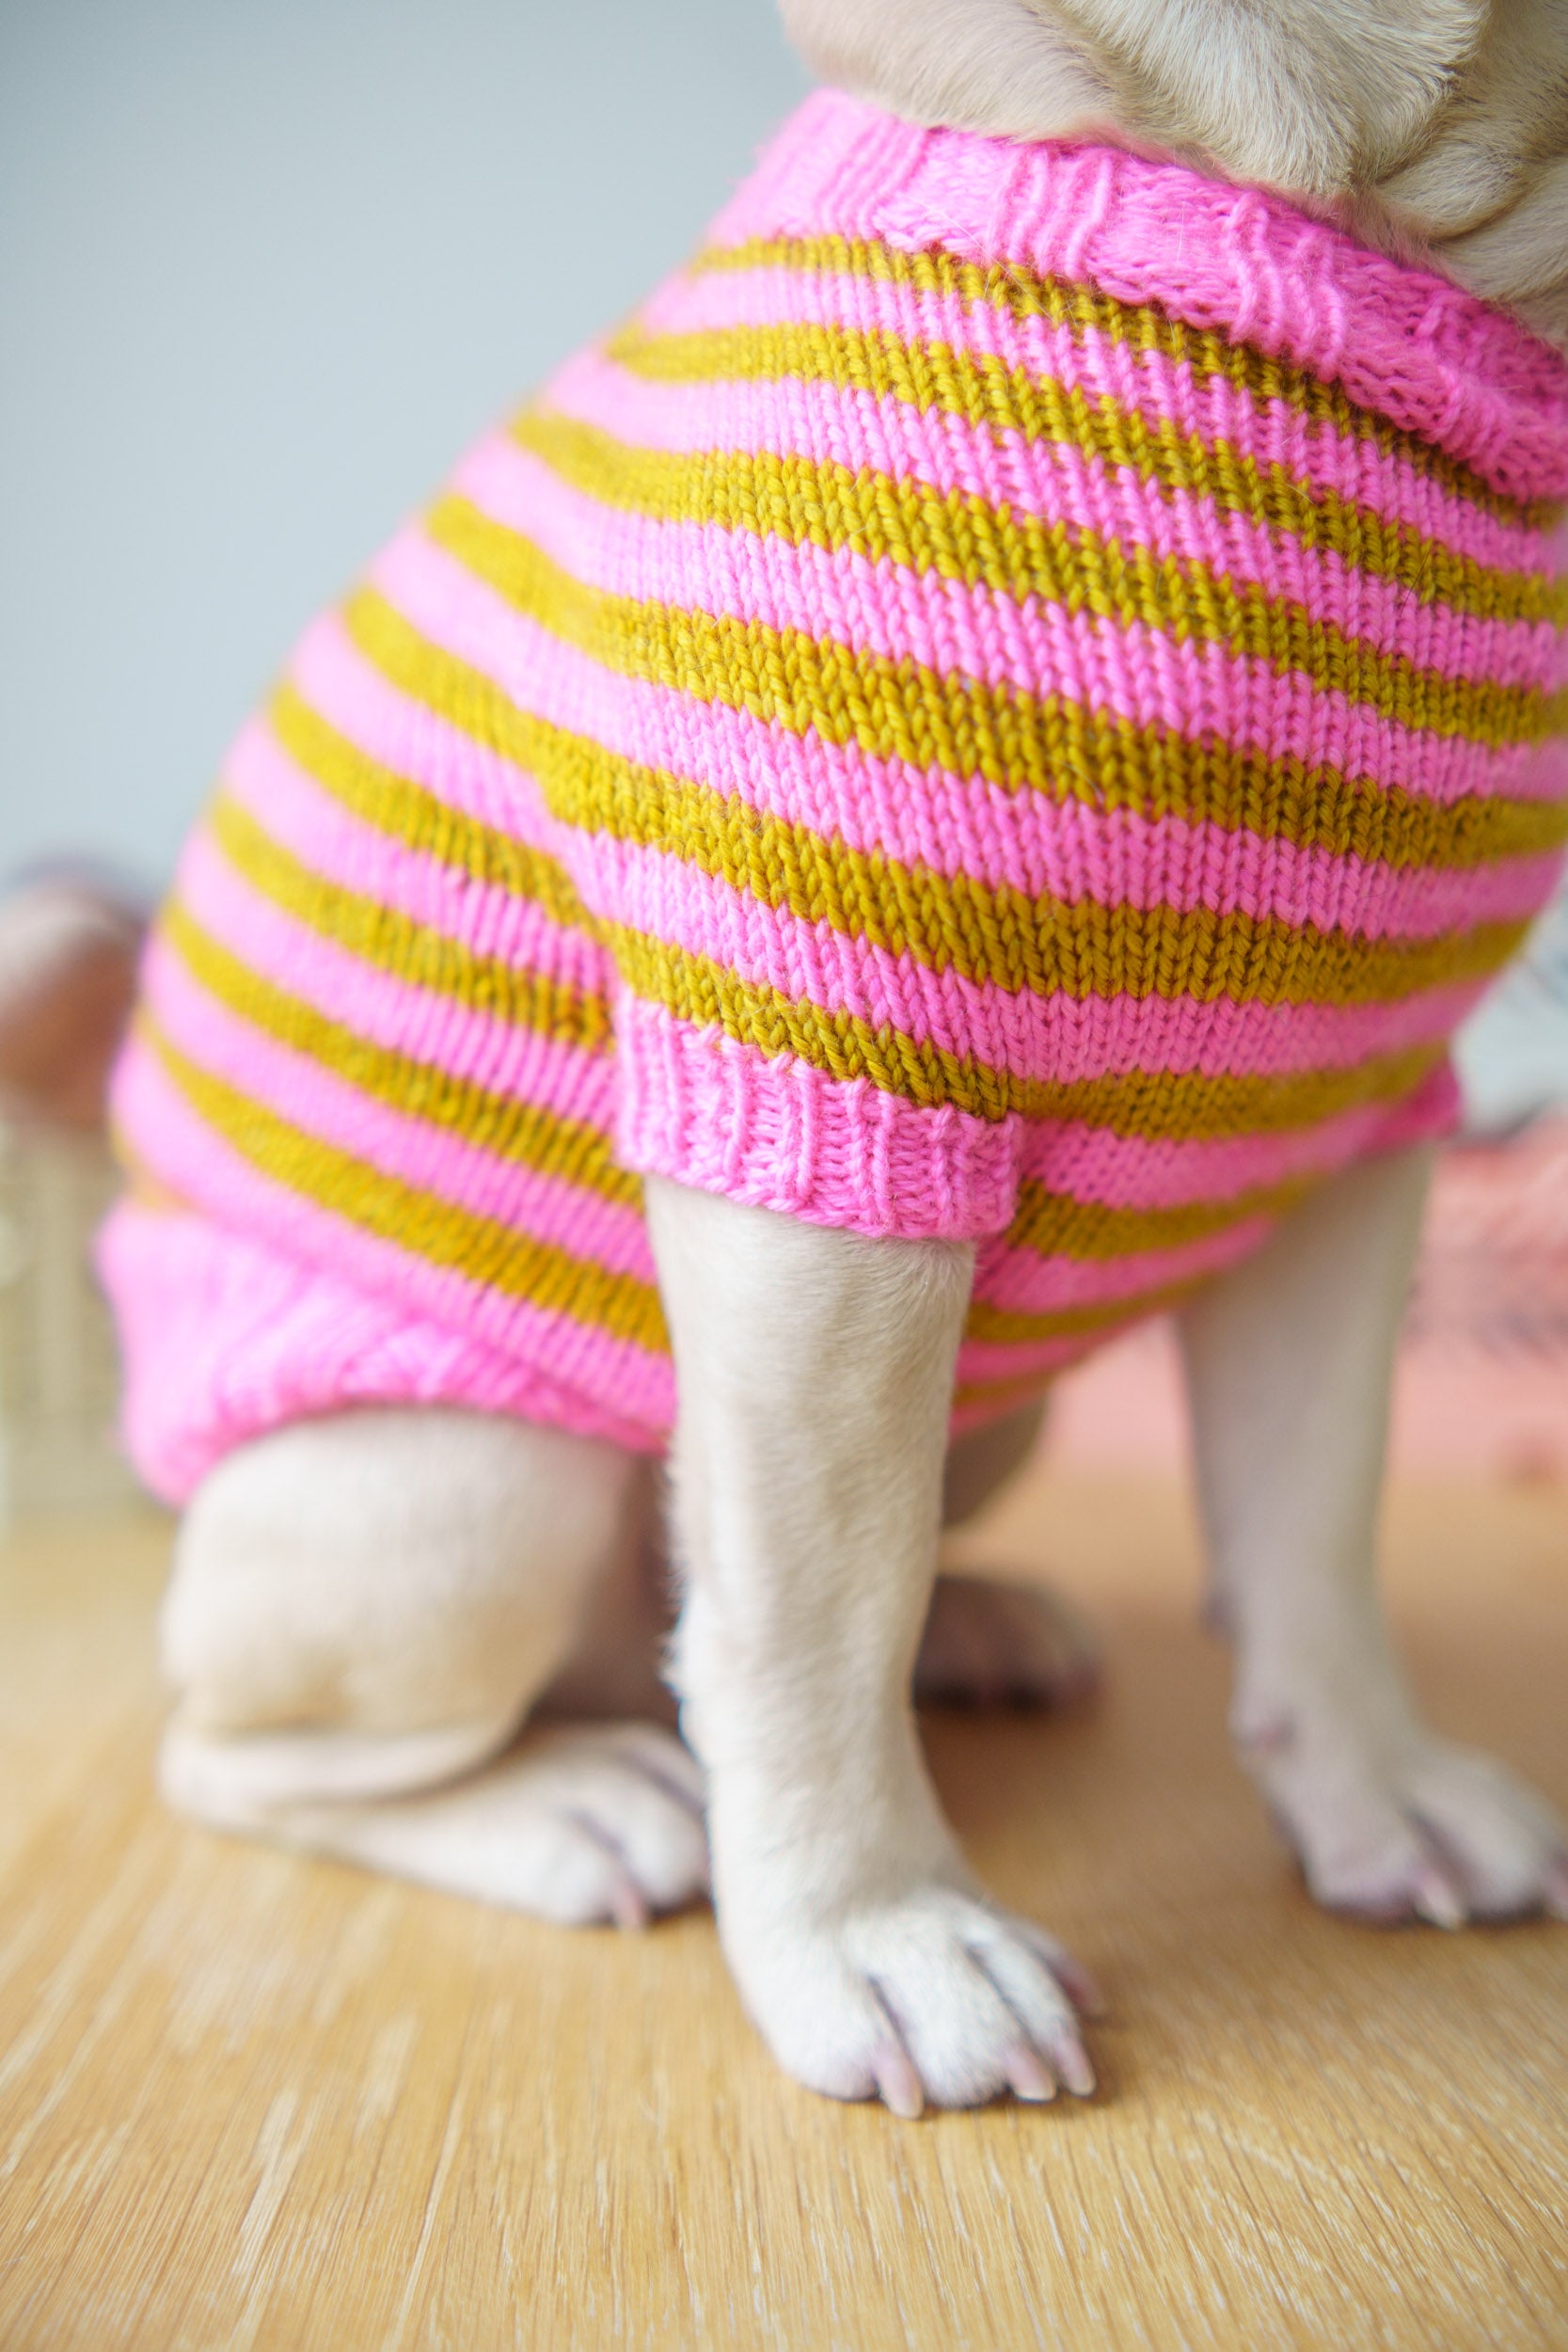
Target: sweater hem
(776,1133)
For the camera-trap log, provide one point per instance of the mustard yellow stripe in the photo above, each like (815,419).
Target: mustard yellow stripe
(997,937)
(1058,1225)
(1176,1107)
(395,943)
(787,678)
(1002,1327)
(963,536)
(968,540)
(569,1150)
(464,697)
(1074,755)
(700,992)
(993,397)
(1020,294)
(478,1247)
(992,935)
(403,810)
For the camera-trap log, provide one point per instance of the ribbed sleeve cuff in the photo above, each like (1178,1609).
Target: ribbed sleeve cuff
(774,1132)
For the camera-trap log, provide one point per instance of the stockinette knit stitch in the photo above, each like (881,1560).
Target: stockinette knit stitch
(1018,699)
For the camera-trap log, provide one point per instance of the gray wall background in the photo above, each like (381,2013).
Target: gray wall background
(266,267)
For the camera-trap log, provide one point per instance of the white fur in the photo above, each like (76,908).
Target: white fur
(388,1572)
(363,1611)
(864,1950)
(979,65)
(596,1824)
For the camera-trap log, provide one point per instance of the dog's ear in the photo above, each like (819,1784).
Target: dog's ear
(67,966)
(1315,97)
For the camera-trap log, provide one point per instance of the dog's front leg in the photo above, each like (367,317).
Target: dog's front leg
(816,1375)
(1289,1360)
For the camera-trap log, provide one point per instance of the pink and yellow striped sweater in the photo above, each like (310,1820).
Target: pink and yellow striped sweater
(1018,698)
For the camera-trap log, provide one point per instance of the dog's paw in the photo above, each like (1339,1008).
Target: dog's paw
(582,1826)
(934,1996)
(995,1645)
(1412,1827)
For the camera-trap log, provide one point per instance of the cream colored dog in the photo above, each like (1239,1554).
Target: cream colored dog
(365,1610)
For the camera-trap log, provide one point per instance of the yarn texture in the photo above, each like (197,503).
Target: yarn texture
(1019,699)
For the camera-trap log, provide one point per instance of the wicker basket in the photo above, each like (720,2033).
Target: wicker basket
(58,1373)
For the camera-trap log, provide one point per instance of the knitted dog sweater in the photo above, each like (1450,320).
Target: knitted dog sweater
(1016,699)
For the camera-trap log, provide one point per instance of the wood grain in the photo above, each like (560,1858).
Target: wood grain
(252,2101)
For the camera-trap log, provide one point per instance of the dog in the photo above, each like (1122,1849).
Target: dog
(406,1532)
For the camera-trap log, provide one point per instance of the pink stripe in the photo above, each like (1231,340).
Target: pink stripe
(1038,1035)
(1159,392)
(1021,1282)
(956,827)
(464,1040)
(987,1362)
(431,1158)
(487,917)
(1403,341)
(723,1118)
(170,1136)
(1043,1034)
(1142,674)
(1354,1021)
(1091,1164)
(761,577)
(726,1117)
(1171,686)
(715,570)
(350,693)
(1049,1037)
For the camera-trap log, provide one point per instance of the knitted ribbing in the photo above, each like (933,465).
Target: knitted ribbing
(1016,699)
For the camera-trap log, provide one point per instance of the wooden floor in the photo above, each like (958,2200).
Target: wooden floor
(252,2101)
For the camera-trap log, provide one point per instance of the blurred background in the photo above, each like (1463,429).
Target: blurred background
(263,273)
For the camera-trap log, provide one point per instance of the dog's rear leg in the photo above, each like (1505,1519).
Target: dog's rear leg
(1290,1359)
(364,1609)
(991,1641)
(814,1371)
